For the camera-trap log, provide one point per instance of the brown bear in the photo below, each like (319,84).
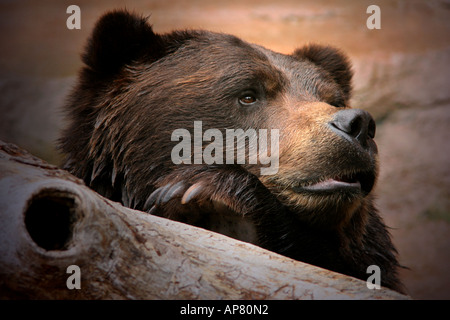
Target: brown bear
(138,89)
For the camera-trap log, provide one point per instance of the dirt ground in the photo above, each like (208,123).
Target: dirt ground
(402,76)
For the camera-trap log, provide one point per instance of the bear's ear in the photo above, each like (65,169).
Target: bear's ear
(331,60)
(118,38)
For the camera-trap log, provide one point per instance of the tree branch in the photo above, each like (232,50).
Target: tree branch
(50,220)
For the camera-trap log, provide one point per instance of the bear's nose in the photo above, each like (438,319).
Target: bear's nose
(354,124)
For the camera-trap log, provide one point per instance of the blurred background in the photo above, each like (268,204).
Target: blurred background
(402,76)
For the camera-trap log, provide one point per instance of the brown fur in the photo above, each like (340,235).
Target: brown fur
(138,87)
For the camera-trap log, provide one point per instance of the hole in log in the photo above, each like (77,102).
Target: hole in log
(49,219)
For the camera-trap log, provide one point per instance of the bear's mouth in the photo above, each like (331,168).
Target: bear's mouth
(360,182)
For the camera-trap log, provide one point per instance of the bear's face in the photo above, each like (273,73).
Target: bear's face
(328,171)
(143,86)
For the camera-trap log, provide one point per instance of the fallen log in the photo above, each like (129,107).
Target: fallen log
(61,240)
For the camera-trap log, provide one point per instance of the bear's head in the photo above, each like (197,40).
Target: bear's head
(138,87)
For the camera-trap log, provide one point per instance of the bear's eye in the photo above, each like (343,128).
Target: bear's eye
(247,100)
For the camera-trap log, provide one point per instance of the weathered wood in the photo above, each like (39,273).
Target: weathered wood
(50,220)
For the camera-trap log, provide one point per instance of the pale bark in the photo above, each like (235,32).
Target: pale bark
(50,220)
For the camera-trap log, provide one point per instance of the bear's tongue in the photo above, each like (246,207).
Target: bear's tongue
(335,183)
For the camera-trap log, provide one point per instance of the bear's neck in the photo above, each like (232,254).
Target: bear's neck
(323,246)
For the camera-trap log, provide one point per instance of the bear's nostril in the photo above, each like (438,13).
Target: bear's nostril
(355,127)
(372,129)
